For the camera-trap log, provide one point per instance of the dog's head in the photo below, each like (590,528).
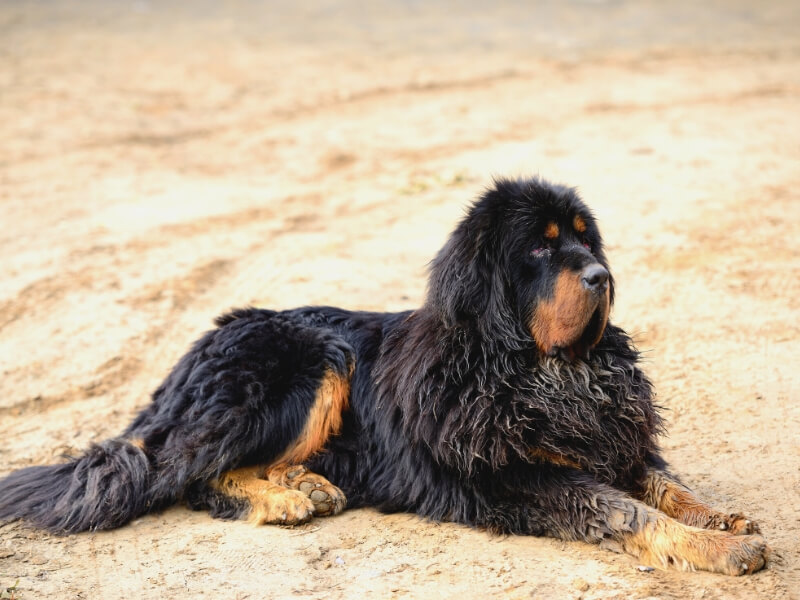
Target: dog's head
(527,260)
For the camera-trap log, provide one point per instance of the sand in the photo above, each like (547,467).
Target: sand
(161,163)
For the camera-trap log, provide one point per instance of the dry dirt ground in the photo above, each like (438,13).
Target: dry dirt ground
(161,163)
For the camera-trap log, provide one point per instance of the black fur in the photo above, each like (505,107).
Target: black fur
(446,404)
(102,489)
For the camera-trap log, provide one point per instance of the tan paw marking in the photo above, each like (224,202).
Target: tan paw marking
(281,507)
(738,524)
(668,543)
(269,501)
(327,498)
(747,554)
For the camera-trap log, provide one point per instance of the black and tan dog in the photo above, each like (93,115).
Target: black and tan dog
(506,402)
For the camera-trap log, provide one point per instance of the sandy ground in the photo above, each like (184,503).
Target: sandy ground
(161,163)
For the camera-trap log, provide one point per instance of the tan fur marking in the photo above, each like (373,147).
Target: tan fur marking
(561,321)
(664,542)
(605,309)
(327,498)
(551,231)
(283,474)
(552,457)
(137,442)
(269,502)
(324,420)
(674,499)
(579,224)
(267,489)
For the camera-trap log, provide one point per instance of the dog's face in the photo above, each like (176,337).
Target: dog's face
(560,276)
(530,253)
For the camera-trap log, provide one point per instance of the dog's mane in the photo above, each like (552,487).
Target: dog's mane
(478,406)
(470,384)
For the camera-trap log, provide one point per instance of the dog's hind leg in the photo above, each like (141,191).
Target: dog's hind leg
(261,389)
(284,491)
(260,500)
(281,490)
(279,495)
(324,419)
(664,491)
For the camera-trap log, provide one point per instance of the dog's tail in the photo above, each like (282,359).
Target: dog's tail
(105,488)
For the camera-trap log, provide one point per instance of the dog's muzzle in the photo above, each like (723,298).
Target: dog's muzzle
(572,322)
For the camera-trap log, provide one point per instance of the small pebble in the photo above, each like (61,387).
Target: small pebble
(645,569)
(580,584)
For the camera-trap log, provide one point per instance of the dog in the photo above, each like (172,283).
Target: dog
(507,402)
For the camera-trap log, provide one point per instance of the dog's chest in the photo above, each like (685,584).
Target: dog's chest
(598,415)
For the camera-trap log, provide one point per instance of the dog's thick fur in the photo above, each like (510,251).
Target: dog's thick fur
(507,402)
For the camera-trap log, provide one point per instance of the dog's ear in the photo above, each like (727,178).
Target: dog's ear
(465,278)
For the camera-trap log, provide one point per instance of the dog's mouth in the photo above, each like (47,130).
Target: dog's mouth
(587,340)
(572,323)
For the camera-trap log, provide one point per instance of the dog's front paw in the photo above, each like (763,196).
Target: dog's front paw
(668,543)
(744,555)
(737,524)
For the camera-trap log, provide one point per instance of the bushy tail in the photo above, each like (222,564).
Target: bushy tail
(105,488)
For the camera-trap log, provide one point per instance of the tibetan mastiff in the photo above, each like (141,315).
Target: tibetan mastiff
(506,402)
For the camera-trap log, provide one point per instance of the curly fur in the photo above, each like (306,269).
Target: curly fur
(506,401)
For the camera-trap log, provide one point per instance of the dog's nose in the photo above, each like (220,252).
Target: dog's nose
(595,278)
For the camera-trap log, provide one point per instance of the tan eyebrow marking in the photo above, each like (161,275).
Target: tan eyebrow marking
(579,224)
(551,232)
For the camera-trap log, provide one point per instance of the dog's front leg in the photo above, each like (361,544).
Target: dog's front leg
(664,491)
(569,505)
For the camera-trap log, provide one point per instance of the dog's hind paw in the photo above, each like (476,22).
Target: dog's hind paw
(327,498)
(282,507)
